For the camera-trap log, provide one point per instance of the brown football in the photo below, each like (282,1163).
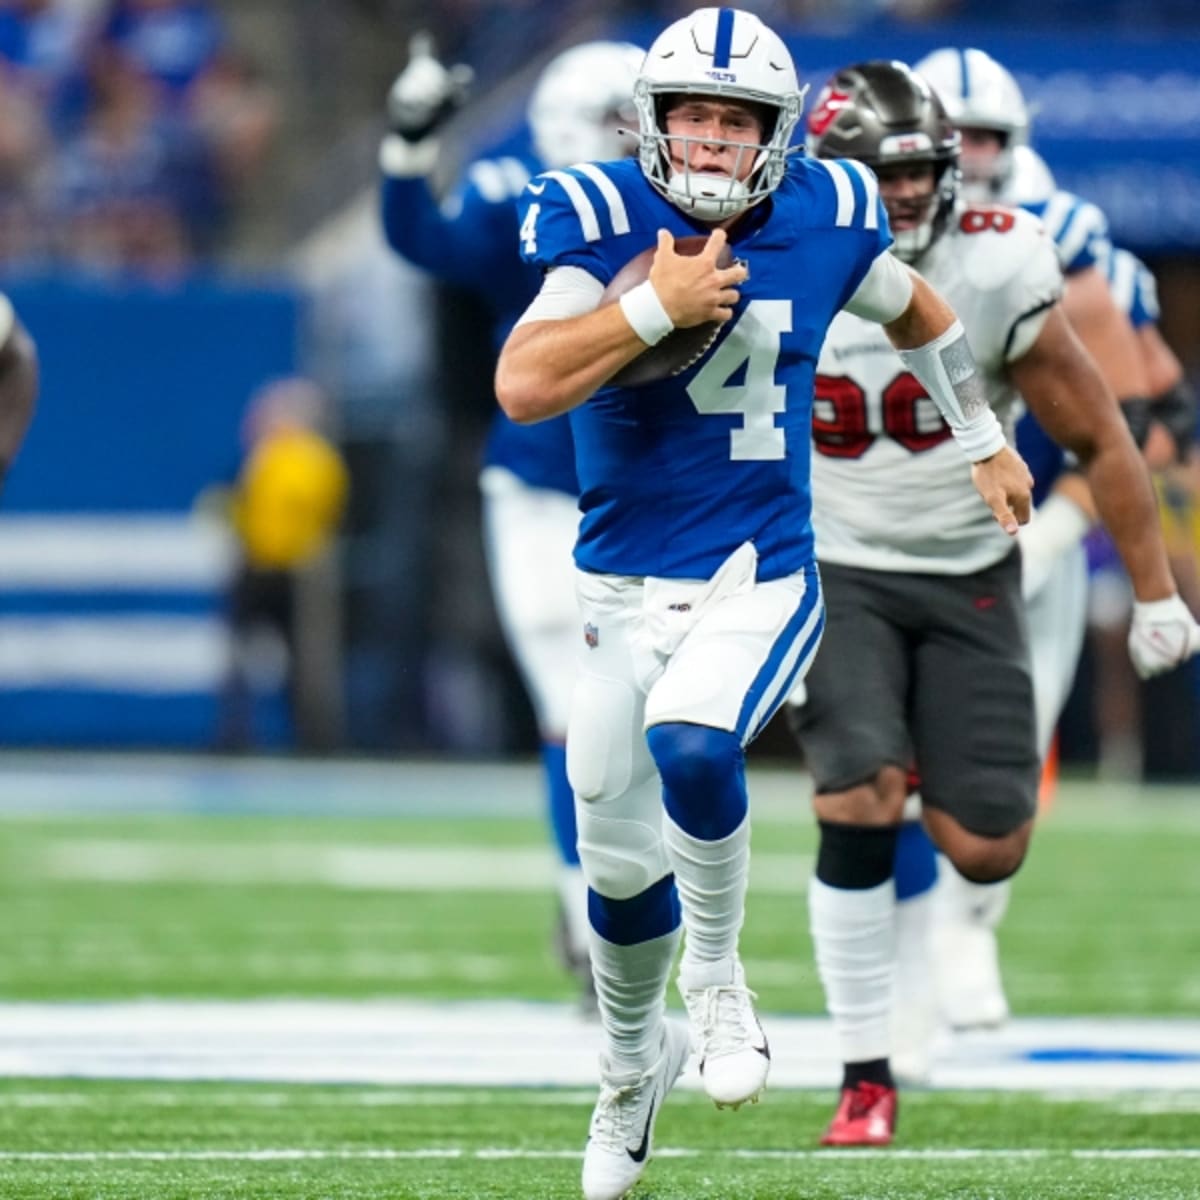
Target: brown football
(681,347)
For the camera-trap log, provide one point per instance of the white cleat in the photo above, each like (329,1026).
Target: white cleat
(970,991)
(621,1136)
(727,1037)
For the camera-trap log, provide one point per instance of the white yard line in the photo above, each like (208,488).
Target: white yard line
(350,867)
(491,1153)
(509,1043)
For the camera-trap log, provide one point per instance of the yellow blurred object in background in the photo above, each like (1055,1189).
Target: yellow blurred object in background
(290,497)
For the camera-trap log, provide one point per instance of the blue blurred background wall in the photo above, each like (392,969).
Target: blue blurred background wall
(250,156)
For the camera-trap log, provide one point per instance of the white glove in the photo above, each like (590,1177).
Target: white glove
(1163,635)
(425,93)
(1057,526)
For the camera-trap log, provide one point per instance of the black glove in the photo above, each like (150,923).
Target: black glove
(1138,417)
(425,94)
(1175,410)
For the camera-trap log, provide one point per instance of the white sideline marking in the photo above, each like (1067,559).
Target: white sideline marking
(501,1152)
(509,1043)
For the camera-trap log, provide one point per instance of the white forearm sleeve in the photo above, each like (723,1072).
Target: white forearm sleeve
(946,368)
(885,292)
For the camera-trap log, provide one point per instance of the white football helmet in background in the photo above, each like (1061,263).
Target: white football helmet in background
(722,54)
(582,100)
(978,93)
(1031,181)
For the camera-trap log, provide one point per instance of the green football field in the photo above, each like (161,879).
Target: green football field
(127,882)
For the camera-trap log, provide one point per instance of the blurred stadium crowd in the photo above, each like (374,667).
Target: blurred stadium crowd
(127,129)
(176,141)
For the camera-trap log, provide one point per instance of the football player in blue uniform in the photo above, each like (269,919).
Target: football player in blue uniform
(700,599)
(530,510)
(999,167)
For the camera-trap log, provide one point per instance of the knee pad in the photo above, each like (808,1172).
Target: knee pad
(650,914)
(620,843)
(856,857)
(703,774)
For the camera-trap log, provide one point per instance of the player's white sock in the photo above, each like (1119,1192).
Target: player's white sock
(965,953)
(573,896)
(970,903)
(631,988)
(711,880)
(854,937)
(914,999)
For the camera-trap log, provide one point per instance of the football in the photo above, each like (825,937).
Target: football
(681,347)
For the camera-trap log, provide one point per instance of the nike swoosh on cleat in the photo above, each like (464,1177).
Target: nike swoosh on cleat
(639,1155)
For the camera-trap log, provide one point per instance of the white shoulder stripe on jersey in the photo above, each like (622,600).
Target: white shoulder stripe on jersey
(516,174)
(488,177)
(584,210)
(1086,227)
(844,189)
(1121,279)
(871,187)
(612,197)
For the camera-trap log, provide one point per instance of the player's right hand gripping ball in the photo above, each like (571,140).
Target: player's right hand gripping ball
(681,347)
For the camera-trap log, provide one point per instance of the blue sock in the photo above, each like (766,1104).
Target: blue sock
(561,802)
(916,861)
(650,914)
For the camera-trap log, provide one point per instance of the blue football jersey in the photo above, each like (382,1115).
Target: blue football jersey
(1078,228)
(471,241)
(1133,288)
(675,475)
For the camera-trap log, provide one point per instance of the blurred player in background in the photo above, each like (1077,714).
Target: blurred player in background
(285,508)
(986,105)
(1118,695)
(925,661)
(582,100)
(18,384)
(700,596)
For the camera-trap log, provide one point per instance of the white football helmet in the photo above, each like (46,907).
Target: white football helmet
(720,54)
(582,100)
(978,93)
(1031,180)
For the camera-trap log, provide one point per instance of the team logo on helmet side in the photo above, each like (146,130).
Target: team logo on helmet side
(829,105)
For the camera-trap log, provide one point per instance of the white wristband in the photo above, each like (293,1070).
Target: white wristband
(399,159)
(946,368)
(645,313)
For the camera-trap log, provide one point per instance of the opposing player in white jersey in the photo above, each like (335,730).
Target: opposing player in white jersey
(582,99)
(925,661)
(700,597)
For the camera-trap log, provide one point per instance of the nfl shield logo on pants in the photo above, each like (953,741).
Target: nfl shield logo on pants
(591,635)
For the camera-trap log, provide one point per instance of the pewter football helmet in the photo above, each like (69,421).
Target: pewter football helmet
(883,113)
